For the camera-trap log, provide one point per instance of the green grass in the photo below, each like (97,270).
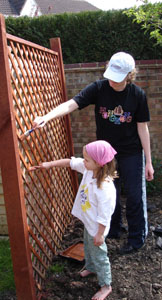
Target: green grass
(6,270)
(57,268)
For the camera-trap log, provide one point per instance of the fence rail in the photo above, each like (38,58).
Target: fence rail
(38,204)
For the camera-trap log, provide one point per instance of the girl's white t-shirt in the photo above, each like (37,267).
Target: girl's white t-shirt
(93,205)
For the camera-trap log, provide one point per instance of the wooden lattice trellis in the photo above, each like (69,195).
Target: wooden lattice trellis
(38,204)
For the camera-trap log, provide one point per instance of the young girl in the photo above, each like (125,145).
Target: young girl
(94,206)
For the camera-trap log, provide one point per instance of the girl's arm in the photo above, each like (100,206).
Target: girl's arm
(61,110)
(144,135)
(50,164)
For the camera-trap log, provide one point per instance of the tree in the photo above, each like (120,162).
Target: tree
(150,17)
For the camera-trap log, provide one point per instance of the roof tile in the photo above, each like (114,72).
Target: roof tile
(61,6)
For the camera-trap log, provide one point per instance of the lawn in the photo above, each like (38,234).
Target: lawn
(6,270)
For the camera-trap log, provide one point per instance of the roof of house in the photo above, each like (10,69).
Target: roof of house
(7,8)
(14,7)
(61,6)
(18,4)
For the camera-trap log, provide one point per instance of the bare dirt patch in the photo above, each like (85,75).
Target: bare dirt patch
(135,276)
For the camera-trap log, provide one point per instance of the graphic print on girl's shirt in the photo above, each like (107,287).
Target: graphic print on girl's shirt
(85,204)
(117,116)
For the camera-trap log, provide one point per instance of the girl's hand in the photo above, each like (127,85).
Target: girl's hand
(44,165)
(98,239)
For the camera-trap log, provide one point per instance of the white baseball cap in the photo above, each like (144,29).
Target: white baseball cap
(119,66)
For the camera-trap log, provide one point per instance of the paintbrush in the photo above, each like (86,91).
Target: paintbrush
(28,132)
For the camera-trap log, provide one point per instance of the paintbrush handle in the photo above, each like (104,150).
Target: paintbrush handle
(25,134)
(28,132)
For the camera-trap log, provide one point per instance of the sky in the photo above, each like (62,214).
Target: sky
(117,4)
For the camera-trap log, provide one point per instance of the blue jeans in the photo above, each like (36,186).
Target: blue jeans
(96,260)
(131,171)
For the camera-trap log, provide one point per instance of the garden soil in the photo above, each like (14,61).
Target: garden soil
(136,276)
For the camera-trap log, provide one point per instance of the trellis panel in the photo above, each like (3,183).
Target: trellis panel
(38,204)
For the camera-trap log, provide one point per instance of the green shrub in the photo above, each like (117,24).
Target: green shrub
(87,36)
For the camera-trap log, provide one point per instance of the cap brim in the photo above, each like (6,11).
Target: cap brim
(114,76)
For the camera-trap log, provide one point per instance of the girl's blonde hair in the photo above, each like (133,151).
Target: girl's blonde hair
(107,170)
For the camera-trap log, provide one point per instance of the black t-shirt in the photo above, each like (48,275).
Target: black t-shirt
(116,114)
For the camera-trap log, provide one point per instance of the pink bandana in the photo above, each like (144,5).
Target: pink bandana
(101,152)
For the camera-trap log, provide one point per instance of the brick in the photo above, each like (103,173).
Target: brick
(2,210)
(1,189)
(3,230)
(0,178)
(1,199)
(3,220)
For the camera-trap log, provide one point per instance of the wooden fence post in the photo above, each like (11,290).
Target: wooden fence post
(11,173)
(55,44)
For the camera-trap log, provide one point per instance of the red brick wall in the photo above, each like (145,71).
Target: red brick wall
(149,77)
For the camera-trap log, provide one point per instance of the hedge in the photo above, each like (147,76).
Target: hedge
(87,36)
